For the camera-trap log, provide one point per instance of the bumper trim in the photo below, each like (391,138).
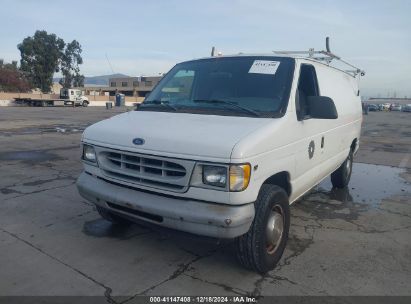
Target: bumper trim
(127,210)
(197,217)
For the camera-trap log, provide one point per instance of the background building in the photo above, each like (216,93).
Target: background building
(129,86)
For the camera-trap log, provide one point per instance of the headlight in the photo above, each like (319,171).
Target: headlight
(89,154)
(239,177)
(215,176)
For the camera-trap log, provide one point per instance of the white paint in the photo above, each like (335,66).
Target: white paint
(179,134)
(6,103)
(274,144)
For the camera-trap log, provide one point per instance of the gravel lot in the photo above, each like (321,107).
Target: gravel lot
(52,242)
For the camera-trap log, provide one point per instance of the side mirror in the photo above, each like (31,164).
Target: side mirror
(322,107)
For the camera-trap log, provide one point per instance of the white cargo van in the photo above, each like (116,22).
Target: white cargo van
(223,145)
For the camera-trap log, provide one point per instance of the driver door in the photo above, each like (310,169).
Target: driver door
(311,144)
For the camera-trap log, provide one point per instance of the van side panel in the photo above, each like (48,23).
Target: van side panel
(343,89)
(337,134)
(283,145)
(331,138)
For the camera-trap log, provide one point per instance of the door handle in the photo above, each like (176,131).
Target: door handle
(322,142)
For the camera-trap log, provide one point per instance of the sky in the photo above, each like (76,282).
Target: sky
(148,37)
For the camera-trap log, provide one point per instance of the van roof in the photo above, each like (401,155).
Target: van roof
(297,57)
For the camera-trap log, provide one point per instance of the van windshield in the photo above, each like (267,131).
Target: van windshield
(253,86)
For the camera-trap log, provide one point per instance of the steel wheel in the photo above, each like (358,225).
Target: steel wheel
(341,177)
(274,229)
(263,245)
(348,165)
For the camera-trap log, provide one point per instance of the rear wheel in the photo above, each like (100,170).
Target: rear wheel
(261,248)
(111,217)
(85,103)
(341,177)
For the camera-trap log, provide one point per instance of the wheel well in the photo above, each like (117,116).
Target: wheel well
(354,144)
(281,179)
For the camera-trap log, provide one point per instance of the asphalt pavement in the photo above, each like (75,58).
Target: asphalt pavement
(354,241)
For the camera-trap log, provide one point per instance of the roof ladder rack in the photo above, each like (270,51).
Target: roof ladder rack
(325,56)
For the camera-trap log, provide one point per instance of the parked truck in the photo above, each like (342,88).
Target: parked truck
(72,97)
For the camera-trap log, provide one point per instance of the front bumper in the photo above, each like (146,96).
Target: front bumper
(197,217)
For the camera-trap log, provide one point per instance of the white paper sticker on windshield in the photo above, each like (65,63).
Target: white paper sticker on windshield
(264,67)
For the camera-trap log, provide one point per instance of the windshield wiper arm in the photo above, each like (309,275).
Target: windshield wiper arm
(244,109)
(159,103)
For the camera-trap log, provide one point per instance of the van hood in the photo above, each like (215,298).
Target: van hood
(194,136)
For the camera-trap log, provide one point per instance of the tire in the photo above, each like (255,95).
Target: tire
(85,104)
(111,217)
(254,249)
(341,177)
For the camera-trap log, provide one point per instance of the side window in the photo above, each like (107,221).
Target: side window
(307,86)
(179,87)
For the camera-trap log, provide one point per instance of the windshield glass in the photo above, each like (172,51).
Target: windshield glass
(241,86)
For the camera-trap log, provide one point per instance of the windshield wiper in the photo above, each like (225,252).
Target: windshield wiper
(158,103)
(225,102)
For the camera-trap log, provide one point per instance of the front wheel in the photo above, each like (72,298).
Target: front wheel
(341,177)
(261,248)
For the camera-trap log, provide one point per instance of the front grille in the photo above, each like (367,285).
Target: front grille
(146,170)
(146,165)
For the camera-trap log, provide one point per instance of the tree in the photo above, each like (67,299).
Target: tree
(12,79)
(70,61)
(78,80)
(45,54)
(40,58)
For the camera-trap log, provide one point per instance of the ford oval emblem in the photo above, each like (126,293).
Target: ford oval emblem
(138,141)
